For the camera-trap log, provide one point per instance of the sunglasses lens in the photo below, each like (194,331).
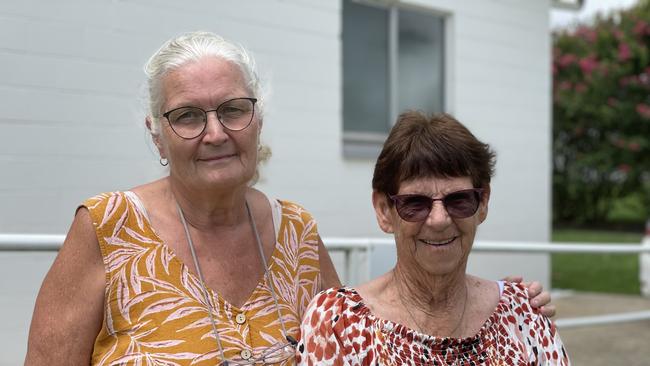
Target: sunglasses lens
(414,207)
(462,204)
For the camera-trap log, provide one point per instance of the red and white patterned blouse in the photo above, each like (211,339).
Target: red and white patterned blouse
(339,329)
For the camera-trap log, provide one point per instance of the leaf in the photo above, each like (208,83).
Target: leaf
(162,344)
(122,295)
(183,312)
(164,305)
(111,208)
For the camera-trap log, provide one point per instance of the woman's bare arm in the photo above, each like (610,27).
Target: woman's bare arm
(329,278)
(69,307)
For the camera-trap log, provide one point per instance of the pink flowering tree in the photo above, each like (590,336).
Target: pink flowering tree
(601,119)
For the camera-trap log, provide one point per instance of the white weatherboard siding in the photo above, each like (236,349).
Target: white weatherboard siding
(71,116)
(499,86)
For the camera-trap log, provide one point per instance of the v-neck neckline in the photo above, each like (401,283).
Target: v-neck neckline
(215,295)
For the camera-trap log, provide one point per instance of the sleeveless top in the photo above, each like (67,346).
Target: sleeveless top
(339,329)
(154,307)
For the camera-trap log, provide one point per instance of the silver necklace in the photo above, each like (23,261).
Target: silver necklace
(420,328)
(206,296)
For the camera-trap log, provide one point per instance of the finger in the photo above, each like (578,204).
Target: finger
(548,310)
(515,279)
(534,289)
(541,300)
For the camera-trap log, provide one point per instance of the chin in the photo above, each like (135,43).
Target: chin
(226,178)
(441,266)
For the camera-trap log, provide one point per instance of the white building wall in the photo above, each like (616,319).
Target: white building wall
(498,85)
(71,115)
(501,87)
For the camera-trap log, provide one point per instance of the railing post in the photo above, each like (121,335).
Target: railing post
(349,266)
(644,262)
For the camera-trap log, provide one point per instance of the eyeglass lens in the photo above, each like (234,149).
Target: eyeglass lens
(416,207)
(189,122)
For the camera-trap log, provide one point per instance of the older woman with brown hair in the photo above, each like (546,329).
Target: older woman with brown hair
(199,267)
(431,189)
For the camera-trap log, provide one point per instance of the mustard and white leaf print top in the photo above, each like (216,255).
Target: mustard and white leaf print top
(155,312)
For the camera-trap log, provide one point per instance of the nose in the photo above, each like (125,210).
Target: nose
(438,216)
(215,133)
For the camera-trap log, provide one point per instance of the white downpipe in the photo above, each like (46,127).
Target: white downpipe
(644,262)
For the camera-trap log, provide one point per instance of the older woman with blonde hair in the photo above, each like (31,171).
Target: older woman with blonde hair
(199,267)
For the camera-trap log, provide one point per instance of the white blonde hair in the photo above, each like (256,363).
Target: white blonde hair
(191,47)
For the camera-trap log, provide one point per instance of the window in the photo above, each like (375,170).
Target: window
(392,61)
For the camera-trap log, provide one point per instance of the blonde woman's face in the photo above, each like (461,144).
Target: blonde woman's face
(218,157)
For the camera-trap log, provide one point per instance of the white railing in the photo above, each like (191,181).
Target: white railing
(52,242)
(503,246)
(353,247)
(30,242)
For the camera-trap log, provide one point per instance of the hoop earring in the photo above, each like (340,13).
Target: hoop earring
(164,161)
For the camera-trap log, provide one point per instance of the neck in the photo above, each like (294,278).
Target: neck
(209,209)
(429,291)
(436,304)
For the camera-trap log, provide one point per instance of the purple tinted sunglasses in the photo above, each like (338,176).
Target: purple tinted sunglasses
(416,207)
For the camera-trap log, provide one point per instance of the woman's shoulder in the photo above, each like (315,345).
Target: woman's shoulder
(516,295)
(337,312)
(283,206)
(109,208)
(290,206)
(335,302)
(104,198)
(342,294)
(294,212)
(514,305)
(333,331)
(540,333)
(147,189)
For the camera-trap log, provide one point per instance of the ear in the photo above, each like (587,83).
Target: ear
(383,211)
(155,136)
(483,206)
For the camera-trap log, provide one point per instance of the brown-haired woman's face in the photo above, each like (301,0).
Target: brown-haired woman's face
(217,157)
(440,243)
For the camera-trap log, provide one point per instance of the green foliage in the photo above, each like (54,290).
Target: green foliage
(596,236)
(601,113)
(611,273)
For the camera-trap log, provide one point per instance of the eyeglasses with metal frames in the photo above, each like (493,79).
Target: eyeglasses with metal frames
(189,122)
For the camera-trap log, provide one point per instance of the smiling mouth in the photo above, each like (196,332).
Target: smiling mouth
(437,243)
(215,158)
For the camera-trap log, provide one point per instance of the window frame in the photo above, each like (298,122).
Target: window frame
(366,144)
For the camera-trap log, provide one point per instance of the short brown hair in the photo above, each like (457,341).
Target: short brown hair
(437,146)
